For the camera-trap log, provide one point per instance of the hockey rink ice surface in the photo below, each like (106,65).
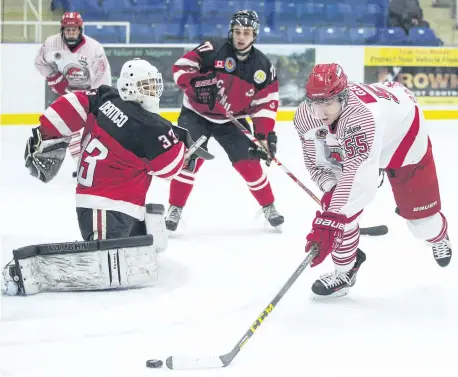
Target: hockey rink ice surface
(222,268)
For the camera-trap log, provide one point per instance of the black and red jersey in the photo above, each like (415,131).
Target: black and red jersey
(123,147)
(245,88)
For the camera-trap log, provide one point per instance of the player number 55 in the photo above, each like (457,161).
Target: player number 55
(355,145)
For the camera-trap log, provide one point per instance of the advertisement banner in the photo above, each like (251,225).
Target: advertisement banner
(162,57)
(430,73)
(293,65)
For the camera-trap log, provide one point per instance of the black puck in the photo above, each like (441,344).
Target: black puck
(154,363)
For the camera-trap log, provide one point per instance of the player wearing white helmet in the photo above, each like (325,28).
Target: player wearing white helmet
(125,144)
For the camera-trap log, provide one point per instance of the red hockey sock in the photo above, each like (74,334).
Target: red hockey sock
(256,180)
(182,185)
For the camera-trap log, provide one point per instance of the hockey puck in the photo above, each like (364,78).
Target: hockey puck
(154,363)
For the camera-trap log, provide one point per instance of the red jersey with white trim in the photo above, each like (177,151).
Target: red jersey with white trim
(85,67)
(381,127)
(123,147)
(245,88)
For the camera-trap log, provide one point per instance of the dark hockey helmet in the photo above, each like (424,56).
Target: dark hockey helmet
(71,19)
(244,18)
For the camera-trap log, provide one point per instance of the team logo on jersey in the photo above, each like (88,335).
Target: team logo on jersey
(229,65)
(76,75)
(219,63)
(336,153)
(321,133)
(250,93)
(259,76)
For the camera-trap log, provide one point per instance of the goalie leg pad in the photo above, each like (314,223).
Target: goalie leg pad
(155,225)
(85,266)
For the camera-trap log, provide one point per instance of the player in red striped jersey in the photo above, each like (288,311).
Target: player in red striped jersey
(349,132)
(71,61)
(229,76)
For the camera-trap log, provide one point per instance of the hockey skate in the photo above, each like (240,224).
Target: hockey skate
(442,252)
(273,217)
(173,218)
(337,284)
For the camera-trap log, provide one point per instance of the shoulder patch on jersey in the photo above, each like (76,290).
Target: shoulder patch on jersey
(259,76)
(219,63)
(229,64)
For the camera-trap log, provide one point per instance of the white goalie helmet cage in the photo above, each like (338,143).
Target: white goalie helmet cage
(140,81)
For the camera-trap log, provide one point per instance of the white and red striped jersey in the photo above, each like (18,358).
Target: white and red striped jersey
(85,67)
(381,127)
(123,147)
(245,88)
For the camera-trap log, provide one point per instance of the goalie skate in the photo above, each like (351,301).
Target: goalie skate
(337,283)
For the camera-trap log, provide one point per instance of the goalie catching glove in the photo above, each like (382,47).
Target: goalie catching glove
(44,158)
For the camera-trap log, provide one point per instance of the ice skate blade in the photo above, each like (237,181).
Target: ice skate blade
(278,229)
(340,293)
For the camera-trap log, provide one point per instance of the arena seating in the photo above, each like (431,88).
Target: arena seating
(352,22)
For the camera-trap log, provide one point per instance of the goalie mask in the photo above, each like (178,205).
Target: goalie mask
(141,82)
(326,92)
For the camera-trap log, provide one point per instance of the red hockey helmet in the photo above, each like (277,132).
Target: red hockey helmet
(325,82)
(71,19)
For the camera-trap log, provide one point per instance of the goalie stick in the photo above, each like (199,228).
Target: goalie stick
(378,230)
(194,147)
(207,362)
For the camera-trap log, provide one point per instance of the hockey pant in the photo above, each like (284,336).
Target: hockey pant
(235,144)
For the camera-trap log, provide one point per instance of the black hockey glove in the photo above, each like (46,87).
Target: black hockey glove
(270,145)
(205,89)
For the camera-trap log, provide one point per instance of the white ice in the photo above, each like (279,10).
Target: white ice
(221,269)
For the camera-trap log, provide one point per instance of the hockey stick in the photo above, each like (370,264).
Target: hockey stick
(195,147)
(207,362)
(379,230)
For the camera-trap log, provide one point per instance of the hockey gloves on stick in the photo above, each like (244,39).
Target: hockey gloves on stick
(43,158)
(57,83)
(269,144)
(327,232)
(205,89)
